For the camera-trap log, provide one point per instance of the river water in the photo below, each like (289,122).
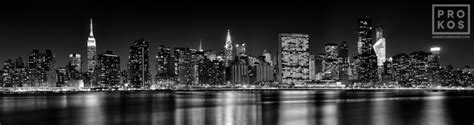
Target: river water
(324,107)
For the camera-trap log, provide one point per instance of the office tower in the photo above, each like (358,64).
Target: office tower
(20,72)
(435,51)
(91,50)
(240,74)
(240,49)
(312,67)
(108,70)
(138,64)
(186,65)
(364,43)
(7,73)
(164,66)
(379,46)
(293,63)
(366,61)
(433,65)
(331,61)
(200,46)
(319,59)
(62,77)
(263,73)
(75,61)
(41,68)
(228,49)
(343,52)
(344,61)
(268,57)
(49,66)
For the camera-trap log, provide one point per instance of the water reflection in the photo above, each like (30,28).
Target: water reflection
(240,107)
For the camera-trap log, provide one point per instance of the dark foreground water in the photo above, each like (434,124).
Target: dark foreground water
(328,107)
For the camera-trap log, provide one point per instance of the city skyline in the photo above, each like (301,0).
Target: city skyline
(116,34)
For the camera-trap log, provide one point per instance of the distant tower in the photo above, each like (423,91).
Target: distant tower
(364,29)
(75,60)
(91,51)
(200,46)
(379,46)
(435,51)
(228,49)
(138,64)
(240,49)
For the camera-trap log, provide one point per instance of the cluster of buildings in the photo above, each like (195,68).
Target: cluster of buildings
(292,65)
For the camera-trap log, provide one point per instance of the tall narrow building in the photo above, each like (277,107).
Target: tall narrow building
(108,70)
(138,65)
(164,65)
(91,51)
(293,60)
(75,61)
(366,63)
(379,46)
(228,49)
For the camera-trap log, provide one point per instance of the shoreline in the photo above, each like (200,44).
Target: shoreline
(233,89)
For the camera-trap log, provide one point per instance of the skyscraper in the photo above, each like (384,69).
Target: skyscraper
(91,51)
(364,43)
(379,46)
(435,51)
(184,66)
(228,49)
(268,57)
(293,63)
(240,49)
(331,61)
(75,60)
(42,68)
(108,69)
(164,65)
(366,61)
(138,65)
(344,63)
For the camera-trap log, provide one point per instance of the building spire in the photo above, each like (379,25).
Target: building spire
(91,29)
(228,37)
(200,45)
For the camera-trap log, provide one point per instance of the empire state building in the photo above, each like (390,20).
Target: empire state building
(91,51)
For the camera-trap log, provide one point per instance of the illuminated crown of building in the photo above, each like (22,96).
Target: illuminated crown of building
(228,47)
(91,39)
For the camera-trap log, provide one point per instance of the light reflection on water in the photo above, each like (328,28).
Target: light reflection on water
(241,107)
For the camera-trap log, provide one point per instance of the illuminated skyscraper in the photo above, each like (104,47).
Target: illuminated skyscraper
(184,66)
(91,51)
(108,69)
(435,51)
(138,64)
(240,49)
(164,65)
(75,60)
(364,43)
(228,49)
(330,62)
(379,46)
(366,61)
(293,61)
(344,61)
(268,57)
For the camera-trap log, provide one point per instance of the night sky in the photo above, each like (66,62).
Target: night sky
(63,26)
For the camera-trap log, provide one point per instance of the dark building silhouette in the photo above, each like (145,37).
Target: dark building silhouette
(366,61)
(138,64)
(164,66)
(108,69)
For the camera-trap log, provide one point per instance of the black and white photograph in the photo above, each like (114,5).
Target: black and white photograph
(236,62)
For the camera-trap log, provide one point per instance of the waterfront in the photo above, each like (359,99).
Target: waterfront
(267,107)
